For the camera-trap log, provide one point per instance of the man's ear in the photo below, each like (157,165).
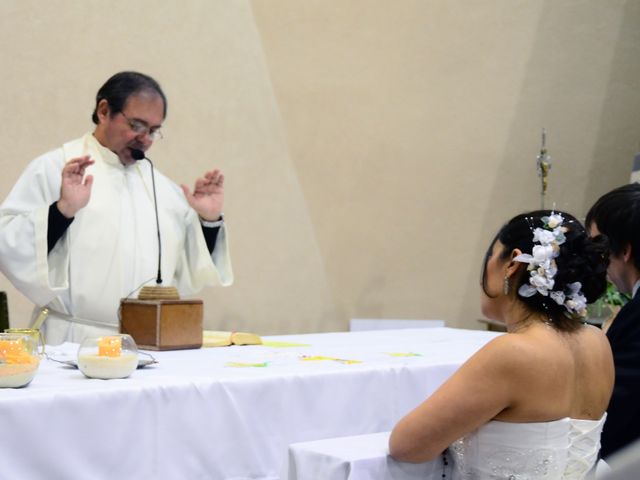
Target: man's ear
(103,110)
(627,254)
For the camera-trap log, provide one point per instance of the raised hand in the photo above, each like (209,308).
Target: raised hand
(208,195)
(75,189)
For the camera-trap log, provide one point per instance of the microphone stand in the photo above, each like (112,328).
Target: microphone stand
(158,319)
(155,207)
(159,292)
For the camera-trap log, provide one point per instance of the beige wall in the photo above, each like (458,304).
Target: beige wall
(371,148)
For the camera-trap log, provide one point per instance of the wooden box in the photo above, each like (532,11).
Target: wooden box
(162,324)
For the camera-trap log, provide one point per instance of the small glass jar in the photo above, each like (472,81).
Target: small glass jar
(19,360)
(110,356)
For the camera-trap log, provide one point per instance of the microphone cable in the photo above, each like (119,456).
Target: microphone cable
(137,154)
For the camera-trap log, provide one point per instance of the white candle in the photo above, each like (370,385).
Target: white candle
(101,366)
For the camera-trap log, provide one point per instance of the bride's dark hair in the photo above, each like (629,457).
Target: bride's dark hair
(581,259)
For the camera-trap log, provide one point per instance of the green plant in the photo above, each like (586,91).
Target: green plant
(611,300)
(613,297)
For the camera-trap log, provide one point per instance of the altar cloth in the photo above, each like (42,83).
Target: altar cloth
(222,413)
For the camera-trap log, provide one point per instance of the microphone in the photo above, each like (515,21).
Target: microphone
(138,154)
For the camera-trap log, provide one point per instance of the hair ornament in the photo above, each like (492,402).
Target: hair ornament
(542,267)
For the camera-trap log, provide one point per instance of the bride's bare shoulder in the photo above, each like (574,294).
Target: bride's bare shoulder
(593,340)
(542,345)
(515,351)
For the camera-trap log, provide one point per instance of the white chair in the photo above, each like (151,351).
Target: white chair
(359,324)
(622,465)
(602,470)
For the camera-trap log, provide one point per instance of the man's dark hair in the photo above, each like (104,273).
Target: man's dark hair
(617,216)
(117,90)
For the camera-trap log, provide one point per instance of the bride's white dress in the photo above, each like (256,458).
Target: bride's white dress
(560,449)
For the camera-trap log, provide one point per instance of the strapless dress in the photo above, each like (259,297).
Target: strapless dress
(564,449)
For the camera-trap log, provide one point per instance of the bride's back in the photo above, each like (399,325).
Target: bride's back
(561,374)
(553,422)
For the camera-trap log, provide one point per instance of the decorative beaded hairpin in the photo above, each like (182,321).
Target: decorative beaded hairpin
(542,267)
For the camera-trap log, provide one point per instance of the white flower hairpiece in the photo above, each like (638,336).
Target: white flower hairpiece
(542,267)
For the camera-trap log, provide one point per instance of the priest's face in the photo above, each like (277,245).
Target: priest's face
(132,128)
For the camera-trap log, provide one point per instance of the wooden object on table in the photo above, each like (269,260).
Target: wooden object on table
(159,293)
(159,320)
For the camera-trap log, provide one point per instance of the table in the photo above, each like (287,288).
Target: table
(222,413)
(361,457)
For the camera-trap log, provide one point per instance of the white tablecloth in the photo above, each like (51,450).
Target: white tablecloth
(362,457)
(221,413)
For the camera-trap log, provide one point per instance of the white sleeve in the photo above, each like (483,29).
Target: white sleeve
(23,232)
(197,268)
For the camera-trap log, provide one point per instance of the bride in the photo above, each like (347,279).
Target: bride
(530,404)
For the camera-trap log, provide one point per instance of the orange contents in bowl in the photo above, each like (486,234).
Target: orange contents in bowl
(110,346)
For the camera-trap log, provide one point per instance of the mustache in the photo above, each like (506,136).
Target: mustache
(136,146)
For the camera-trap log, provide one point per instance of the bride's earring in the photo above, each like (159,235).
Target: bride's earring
(505,286)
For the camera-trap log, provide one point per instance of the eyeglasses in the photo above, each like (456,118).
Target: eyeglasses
(141,128)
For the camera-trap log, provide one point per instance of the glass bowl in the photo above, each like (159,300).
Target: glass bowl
(19,360)
(110,356)
(34,333)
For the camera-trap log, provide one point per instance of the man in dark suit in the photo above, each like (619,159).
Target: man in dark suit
(617,215)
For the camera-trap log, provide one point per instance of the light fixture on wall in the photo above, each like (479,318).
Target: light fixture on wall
(543,165)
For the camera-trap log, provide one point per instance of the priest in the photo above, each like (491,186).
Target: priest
(78,230)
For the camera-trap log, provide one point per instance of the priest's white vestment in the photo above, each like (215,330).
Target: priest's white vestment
(111,247)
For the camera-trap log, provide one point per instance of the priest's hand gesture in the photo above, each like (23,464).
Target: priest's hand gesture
(208,195)
(75,188)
